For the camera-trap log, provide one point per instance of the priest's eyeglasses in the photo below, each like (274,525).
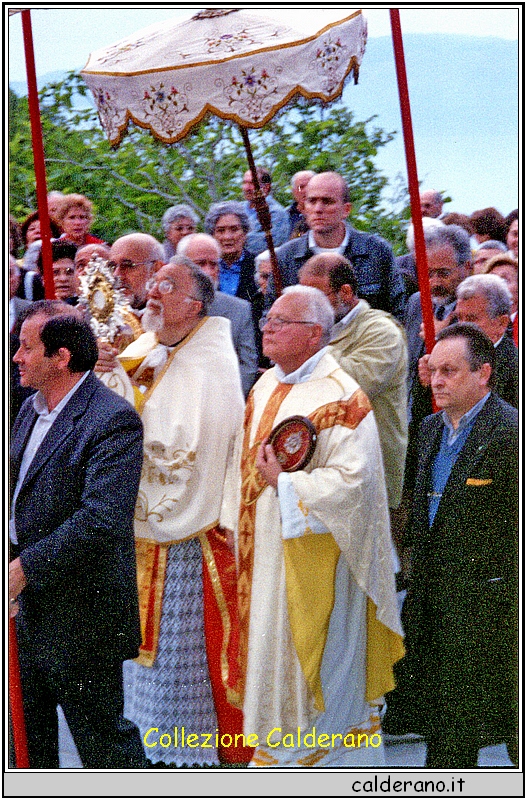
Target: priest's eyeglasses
(166,286)
(277,323)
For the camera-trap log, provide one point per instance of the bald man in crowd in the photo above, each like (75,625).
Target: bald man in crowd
(84,255)
(431,203)
(327,207)
(133,260)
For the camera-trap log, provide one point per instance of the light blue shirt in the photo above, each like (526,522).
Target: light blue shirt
(465,420)
(452,443)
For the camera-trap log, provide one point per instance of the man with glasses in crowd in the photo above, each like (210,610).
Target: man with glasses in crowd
(133,260)
(189,395)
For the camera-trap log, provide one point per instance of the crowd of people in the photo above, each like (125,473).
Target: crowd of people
(187,597)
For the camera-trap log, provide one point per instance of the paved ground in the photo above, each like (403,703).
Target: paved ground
(398,753)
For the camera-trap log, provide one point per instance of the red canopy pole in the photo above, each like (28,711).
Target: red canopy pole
(15,702)
(413,183)
(38,155)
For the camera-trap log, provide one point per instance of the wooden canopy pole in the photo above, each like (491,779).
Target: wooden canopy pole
(262,211)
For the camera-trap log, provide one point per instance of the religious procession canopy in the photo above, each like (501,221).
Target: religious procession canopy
(239,65)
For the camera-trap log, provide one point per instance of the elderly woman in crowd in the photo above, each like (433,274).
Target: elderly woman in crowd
(75,216)
(229,224)
(178,222)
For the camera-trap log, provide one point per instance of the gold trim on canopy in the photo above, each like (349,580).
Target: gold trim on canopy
(242,67)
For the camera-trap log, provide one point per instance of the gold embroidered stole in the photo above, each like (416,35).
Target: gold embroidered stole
(252,486)
(348,413)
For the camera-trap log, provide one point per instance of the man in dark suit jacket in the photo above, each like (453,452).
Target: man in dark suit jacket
(327,207)
(76,460)
(457,683)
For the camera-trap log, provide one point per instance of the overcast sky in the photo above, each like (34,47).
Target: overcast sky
(64,37)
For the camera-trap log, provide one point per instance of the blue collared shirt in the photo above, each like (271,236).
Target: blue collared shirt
(452,442)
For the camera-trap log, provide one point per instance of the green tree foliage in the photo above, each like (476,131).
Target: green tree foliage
(131,186)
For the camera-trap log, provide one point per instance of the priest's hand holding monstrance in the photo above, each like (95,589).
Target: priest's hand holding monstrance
(112,320)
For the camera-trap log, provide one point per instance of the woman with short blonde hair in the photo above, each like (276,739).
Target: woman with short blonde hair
(75,216)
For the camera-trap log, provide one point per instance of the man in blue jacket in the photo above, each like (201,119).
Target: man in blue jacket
(327,207)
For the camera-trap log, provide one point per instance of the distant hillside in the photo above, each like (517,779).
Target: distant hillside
(464,102)
(449,78)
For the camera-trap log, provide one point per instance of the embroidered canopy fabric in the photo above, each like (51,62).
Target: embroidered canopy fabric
(243,67)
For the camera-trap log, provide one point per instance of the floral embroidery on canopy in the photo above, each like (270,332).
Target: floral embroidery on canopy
(118,53)
(329,62)
(229,42)
(106,108)
(254,92)
(240,65)
(164,105)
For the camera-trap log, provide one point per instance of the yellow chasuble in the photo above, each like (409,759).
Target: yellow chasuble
(287,586)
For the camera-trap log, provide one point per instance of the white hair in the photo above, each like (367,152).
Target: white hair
(428,223)
(318,308)
(186,241)
(265,256)
(492,288)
